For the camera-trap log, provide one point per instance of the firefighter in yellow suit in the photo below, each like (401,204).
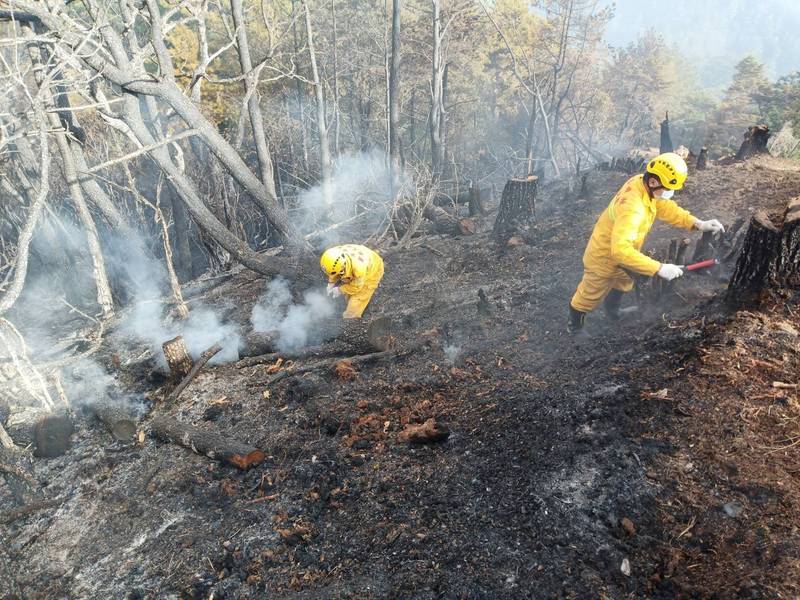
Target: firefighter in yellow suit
(354,271)
(620,231)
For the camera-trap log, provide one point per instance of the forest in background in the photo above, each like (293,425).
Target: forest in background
(202,132)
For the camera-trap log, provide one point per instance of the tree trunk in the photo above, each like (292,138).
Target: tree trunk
(326,164)
(517,211)
(755,142)
(394,100)
(770,255)
(251,91)
(207,442)
(437,106)
(476,207)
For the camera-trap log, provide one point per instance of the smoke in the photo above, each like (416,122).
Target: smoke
(294,323)
(145,280)
(361,184)
(451,353)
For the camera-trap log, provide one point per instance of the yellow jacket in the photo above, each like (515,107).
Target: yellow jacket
(367,270)
(622,228)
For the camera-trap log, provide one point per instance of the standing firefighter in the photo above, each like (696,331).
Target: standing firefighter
(617,239)
(354,271)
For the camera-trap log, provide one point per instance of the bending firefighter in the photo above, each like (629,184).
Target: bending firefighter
(616,242)
(354,271)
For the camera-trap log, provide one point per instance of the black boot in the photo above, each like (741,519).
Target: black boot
(576,319)
(611,304)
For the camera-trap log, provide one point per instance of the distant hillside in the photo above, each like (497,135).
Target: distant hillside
(715,34)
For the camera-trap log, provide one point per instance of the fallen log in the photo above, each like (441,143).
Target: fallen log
(770,255)
(443,221)
(178,359)
(516,214)
(209,443)
(28,509)
(256,343)
(47,434)
(119,421)
(204,358)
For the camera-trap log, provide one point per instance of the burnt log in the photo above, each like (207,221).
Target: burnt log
(47,434)
(207,442)
(118,419)
(201,361)
(755,142)
(706,246)
(443,221)
(330,336)
(770,256)
(702,159)
(178,359)
(517,212)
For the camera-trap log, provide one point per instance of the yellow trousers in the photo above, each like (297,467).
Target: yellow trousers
(358,301)
(595,286)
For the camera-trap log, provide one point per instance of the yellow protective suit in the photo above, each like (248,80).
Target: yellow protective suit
(367,272)
(617,240)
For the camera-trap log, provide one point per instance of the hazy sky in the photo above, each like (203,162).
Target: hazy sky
(715,34)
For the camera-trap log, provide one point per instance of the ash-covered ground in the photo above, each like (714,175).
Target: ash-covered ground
(608,465)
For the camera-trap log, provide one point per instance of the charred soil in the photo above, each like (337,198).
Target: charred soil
(502,458)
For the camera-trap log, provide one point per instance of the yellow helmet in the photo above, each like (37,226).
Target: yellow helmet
(670,169)
(334,261)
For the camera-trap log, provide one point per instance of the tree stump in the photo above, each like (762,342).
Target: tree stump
(770,255)
(666,140)
(702,160)
(706,246)
(476,207)
(517,212)
(755,142)
(178,359)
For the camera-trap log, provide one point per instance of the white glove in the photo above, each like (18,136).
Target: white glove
(669,272)
(713,226)
(333,290)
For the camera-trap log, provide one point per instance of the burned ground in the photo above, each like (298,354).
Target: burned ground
(655,458)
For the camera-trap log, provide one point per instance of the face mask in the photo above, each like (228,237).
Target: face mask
(666,194)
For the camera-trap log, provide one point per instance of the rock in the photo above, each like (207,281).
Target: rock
(625,567)
(428,432)
(733,509)
(628,526)
(514,241)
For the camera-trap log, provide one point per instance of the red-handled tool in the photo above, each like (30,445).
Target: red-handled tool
(711,262)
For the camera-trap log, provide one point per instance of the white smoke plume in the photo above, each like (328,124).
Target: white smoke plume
(294,323)
(361,185)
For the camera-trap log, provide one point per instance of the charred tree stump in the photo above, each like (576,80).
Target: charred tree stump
(47,434)
(706,246)
(476,207)
(666,139)
(755,142)
(517,212)
(732,241)
(119,421)
(702,160)
(770,255)
(209,443)
(678,256)
(178,359)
